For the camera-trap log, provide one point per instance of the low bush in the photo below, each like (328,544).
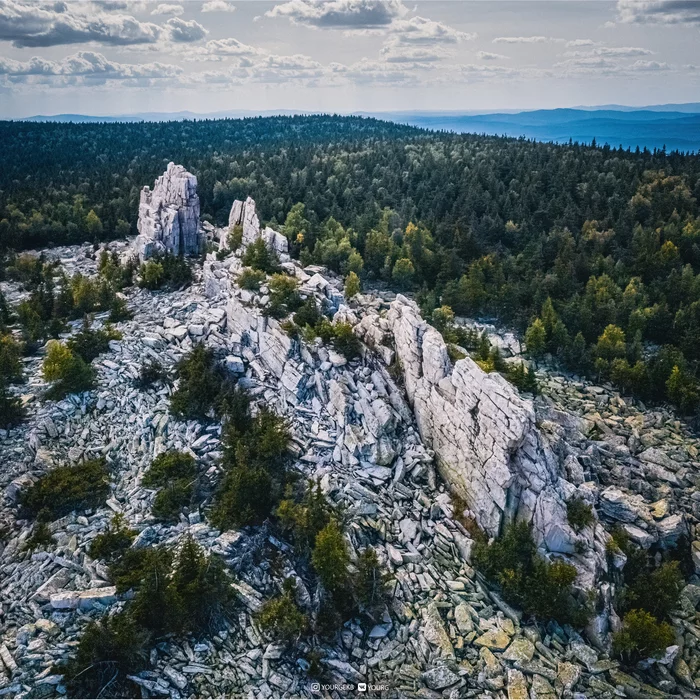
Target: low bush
(151,371)
(11,410)
(345,341)
(284,296)
(65,489)
(245,498)
(527,580)
(129,570)
(201,381)
(168,467)
(654,590)
(151,275)
(260,257)
(41,537)
(303,520)
(10,359)
(642,636)
(171,499)
(281,619)
(109,650)
(352,285)
(368,584)
(255,457)
(203,587)
(181,592)
(308,314)
(88,343)
(235,237)
(330,559)
(113,542)
(251,279)
(67,370)
(119,311)
(176,474)
(579,514)
(171,271)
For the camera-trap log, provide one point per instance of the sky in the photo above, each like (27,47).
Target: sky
(117,57)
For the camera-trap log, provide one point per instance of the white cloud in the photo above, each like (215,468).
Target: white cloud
(399,53)
(33,26)
(488,56)
(649,66)
(419,30)
(184,31)
(83,67)
(221,49)
(218,6)
(521,40)
(574,43)
(165,9)
(659,11)
(340,14)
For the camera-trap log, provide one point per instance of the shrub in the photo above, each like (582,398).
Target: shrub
(171,499)
(527,580)
(89,343)
(69,372)
(284,297)
(235,237)
(368,583)
(260,257)
(308,314)
(244,498)
(655,591)
(201,381)
(156,605)
(251,279)
(345,341)
(454,353)
(579,514)
(306,519)
(281,617)
(641,636)
(65,489)
(109,650)
(352,285)
(10,362)
(255,457)
(330,558)
(203,587)
(119,311)
(150,373)
(41,537)
(112,543)
(152,275)
(176,473)
(170,466)
(130,569)
(11,409)
(183,593)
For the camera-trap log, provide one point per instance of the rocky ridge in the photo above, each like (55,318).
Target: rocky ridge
(354,429)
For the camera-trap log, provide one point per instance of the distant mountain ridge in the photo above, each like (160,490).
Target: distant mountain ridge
(673,126)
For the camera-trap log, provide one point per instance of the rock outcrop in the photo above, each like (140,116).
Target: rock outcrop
(244,214)
(169,215)
(486,443)
(444,631)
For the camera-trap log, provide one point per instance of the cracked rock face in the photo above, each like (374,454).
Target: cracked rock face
(244,214)
(169,215)
(487,445)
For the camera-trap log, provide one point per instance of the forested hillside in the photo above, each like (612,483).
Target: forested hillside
(594,250)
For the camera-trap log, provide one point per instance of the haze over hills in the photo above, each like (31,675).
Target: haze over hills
(673,126)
